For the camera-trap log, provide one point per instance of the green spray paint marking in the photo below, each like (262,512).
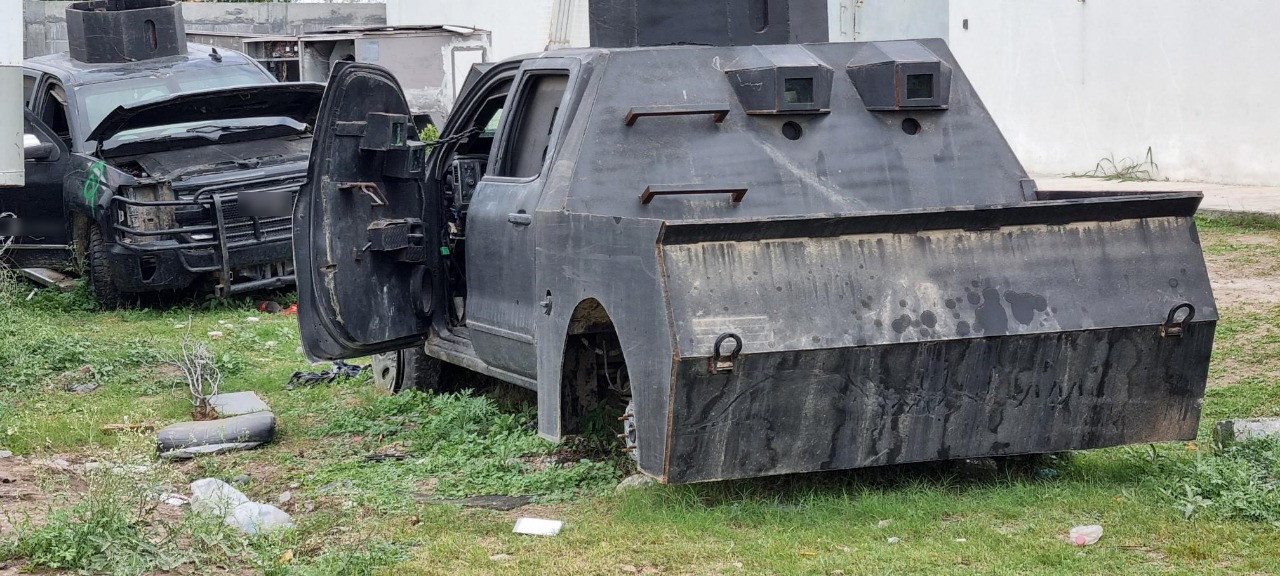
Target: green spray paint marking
(90,189)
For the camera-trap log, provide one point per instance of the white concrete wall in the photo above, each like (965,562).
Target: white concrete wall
(898,19)
(1071,82)
(518,27)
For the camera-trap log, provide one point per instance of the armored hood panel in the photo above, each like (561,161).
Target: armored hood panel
(296,100)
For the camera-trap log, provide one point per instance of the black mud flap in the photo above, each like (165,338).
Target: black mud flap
(358,237)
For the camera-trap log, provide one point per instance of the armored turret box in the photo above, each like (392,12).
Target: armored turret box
(104,31)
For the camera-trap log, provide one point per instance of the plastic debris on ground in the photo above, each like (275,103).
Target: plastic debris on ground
(175,499)
(213,496)
(1085,535)
(538,526)
(340,369)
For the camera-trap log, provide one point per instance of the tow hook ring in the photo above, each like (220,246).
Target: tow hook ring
(722,363)
(1176,328)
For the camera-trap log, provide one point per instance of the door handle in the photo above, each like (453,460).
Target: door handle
(520,218)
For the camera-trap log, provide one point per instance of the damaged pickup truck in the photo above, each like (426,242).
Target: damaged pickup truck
(159,174)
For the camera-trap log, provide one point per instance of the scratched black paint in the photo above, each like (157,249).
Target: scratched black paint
(800,411)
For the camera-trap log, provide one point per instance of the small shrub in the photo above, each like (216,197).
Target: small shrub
(106,532)
(1124,169)
(1241,481)
(199,368)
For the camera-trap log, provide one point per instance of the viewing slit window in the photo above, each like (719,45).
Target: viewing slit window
(797,91)
(919,86)
(535,119)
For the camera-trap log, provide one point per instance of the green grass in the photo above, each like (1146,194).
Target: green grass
(1124,169)
(1237,222)
(1167,509)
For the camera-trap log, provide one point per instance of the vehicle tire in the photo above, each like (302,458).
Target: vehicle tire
(101,284)
(408,369)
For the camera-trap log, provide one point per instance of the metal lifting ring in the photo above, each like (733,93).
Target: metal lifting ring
(722,363)
(1177,328)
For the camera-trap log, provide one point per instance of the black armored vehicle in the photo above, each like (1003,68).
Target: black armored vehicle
(775,259)
(153,164)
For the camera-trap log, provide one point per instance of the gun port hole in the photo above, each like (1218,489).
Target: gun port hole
(911,126)
(792,130)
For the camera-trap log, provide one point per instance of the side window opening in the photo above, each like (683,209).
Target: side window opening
(54,114)
(28,88)
(535,116)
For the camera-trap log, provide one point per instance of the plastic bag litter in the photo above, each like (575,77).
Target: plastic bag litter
(252,518)
(213,496)
(1086,535)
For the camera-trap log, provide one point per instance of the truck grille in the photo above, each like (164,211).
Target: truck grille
(239,228)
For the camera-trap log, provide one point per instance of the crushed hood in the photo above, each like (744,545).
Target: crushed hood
(296,100)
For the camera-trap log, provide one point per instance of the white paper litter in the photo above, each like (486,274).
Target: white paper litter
(538,526)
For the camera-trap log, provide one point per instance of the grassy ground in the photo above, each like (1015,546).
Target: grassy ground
(1167,509)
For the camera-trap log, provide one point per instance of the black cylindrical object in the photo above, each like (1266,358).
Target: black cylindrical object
(626,23)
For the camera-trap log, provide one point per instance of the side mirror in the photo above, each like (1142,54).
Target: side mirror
(34,149)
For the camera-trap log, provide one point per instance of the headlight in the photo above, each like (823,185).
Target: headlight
(147,218)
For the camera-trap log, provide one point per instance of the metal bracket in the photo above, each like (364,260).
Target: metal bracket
(721,363)
(370,189)
(1176,328)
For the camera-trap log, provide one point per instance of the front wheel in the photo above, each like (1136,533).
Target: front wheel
(101,283)
(408,369)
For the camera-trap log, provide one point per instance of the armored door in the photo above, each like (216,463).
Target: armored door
(502,301)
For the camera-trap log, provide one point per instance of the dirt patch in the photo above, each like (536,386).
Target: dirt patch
(74,380)
(30,488)
(1243,355)
(1243,268)
(166,373)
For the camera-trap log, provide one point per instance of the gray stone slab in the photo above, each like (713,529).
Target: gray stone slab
(237,404)
(1227,432)
(190,439)
(494,502)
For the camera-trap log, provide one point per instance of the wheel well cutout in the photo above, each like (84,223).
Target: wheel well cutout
(594,380)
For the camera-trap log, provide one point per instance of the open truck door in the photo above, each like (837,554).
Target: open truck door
(359,241)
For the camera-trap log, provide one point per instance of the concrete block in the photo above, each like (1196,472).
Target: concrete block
(237,404)
(1228,432)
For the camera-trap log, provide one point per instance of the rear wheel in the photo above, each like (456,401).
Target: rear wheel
(101,283)
(408,369)
(597,388)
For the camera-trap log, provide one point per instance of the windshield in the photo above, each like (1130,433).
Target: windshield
(98,100)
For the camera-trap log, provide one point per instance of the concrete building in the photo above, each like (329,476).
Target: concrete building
(1069,81)
(45,27)
(1073,81)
